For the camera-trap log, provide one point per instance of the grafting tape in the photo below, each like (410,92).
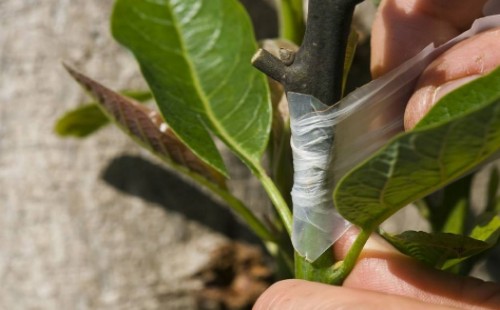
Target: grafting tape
(329,141)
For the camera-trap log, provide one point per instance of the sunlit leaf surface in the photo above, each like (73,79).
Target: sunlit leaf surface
(195,56)
(459,133)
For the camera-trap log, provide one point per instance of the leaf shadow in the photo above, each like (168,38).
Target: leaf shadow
(139,177)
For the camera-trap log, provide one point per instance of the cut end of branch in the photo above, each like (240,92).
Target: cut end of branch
(257,56)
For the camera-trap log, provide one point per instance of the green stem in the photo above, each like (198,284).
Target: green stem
(292,24)
(324,46)
(323,269)
(320,270)
(274,194)
(345,267)
(283,260)
(256,225)
(244,212)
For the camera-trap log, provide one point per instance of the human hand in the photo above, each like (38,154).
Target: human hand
(383,278)
(403,27)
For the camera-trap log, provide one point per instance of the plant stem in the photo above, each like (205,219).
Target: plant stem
(292,24)
(255,224)
(275,196)
(246,214)
(317,68)
(322,270)
(345,267)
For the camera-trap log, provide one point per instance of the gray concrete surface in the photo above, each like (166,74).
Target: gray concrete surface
(70,239)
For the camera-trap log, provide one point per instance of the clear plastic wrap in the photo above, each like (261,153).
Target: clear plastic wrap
(329,141)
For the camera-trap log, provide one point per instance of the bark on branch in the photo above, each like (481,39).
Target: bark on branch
(317,68)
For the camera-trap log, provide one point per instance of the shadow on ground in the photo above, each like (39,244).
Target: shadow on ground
(141,178)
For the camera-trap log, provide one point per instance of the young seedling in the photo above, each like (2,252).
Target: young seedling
(195,56)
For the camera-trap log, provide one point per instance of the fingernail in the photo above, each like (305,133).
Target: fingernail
(447,88)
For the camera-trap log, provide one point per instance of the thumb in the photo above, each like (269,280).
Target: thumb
(464,62)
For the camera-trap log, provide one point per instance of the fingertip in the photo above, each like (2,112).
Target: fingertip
(466,61)
(419,104)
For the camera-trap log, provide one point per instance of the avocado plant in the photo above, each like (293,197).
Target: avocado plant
(196,57)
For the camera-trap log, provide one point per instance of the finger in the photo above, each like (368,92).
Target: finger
(381,269)
(298,294)
(404,27)
(464,62)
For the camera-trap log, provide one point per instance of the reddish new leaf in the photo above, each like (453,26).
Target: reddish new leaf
(147,127)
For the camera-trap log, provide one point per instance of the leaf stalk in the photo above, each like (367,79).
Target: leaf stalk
(344,268)
(275,195)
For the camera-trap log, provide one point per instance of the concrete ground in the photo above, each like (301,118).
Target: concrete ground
(94,224)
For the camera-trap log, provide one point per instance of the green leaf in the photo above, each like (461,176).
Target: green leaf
(435,249)
(81,122)
(292,21)
(195,56)
(473,96)
(488,229)
(455,223)
(462,131)
(147,127)
(350,52)
(89,118)
(139,95)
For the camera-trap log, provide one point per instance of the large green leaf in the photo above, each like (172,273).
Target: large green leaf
(195,55)
(147,127)
(459,133)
